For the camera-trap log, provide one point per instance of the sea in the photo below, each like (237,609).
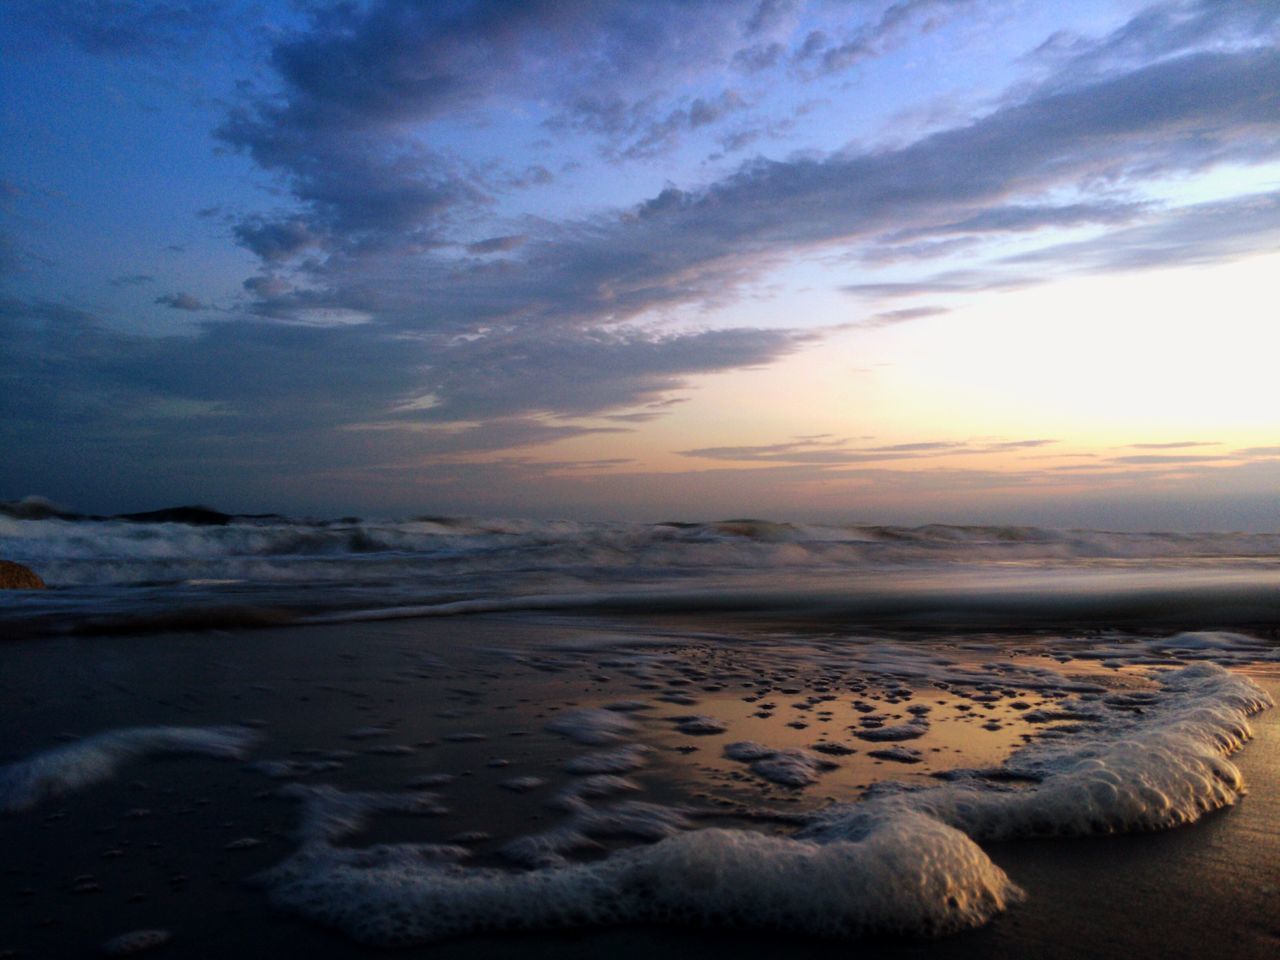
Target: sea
(471,732)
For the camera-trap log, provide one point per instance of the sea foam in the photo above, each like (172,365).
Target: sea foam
(905,860)
(62,770)
(1151,771)
(909,874)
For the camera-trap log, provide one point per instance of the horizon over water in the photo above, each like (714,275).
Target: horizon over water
(191,566)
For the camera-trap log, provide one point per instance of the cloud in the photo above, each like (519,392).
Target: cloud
(534,175)
(634,130)
(180,301)
(347,125)
(826,453)
(1160,31)
(455,351)
(582,373)
(355,88)
(275,240)
(1174,445)
(1023,218)
(829,55)
(497,244)
(132,280)
(238,389)
(689,246)
(889,318)
(268,287)
(1197,233)
(952,281)
(127,27)
(1146,458)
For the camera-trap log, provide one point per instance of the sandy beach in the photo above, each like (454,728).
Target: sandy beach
(174,843)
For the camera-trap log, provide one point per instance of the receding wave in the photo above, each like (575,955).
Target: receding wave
(178,569)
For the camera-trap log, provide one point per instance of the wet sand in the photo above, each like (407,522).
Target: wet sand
(171,842)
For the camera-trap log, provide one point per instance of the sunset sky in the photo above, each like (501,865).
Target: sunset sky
(925,260)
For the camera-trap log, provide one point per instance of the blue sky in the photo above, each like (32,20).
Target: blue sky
(913,260)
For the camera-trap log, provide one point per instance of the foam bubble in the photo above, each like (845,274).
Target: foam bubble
(699,725)
(591,726)
(620,760)
(283,769)
(62,770)
(522,784)
(792,767)
(747,750)
(1162,768)
(547,849)
(897,754)
(136,941)
(908,874)
(599,785)
(911,730)
(330,814)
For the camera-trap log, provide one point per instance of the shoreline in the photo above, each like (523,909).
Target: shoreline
(308,688)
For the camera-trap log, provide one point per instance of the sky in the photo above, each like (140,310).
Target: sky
(900,261)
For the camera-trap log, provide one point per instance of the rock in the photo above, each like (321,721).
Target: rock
(36,508)
(196,516)
(14,576)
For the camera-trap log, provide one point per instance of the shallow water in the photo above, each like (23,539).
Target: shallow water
(460,709)
(489,737)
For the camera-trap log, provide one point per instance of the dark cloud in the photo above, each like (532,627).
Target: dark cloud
(132,280)
(359,191)
(687,246)
(239,389)
(344,126)
(455,354)
(180,301)
(268,287)
(497,244)
(339,129)
(275,240)
(582,372)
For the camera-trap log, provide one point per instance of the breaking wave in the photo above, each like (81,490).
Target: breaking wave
(131,574)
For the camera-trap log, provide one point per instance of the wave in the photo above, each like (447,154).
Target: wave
(176,569)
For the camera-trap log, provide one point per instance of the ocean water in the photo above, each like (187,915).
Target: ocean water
(816,731)
(135,576)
